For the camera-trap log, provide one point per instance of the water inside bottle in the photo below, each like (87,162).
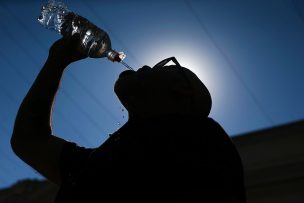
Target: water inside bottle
(53,16)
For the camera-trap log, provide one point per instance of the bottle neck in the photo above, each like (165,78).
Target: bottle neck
(115,56)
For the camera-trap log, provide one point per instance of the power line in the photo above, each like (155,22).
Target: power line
(6,168)
(11,99)
(228,61)
(87,115)
(113,35)
(73,127)
(298,10)
(24,78)
(93,97)
(26,81)
(65,93)
(72,76)
(22,25)
(13,39)
(16,70)
(7,94)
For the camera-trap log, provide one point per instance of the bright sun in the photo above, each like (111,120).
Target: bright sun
(188,56)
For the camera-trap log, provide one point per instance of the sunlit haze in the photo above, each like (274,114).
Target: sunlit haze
(249,54)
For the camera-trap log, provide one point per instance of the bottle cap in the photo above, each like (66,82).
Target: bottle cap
(116,56)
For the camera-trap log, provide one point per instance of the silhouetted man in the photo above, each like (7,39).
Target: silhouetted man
(168,151)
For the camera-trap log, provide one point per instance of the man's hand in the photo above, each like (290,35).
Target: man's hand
(66,50)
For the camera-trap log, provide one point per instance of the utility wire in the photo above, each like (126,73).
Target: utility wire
(298,10)
(73,127)
(5,130)
(113,35)
(16,70)
(64,92)
(8,165)
(6,93)
(10,97)
(22,77)
(14,101)
(72,76)
(93,97)
(228,61)
(86,114)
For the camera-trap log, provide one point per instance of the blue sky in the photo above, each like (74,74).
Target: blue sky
(250,55)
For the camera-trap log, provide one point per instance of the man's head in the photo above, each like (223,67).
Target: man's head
(162,90)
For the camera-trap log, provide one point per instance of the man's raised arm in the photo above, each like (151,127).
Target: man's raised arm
(32,138)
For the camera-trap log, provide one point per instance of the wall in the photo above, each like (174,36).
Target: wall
(274,164)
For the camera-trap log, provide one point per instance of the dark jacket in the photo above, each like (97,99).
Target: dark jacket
(172,159)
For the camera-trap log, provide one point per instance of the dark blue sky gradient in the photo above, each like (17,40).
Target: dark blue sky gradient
(250,55)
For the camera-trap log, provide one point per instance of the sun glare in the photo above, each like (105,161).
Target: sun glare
(188,56)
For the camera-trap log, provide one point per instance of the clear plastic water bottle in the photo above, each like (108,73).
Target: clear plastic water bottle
(95,42)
